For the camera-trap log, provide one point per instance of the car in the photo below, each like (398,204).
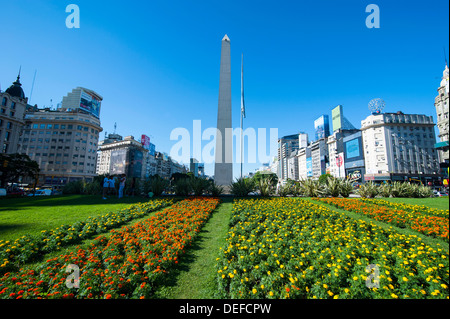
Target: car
(42,192)
(2,192)
(16,192)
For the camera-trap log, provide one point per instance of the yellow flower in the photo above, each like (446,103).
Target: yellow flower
(270,293)
(405,279)
(394,296)
(254,291)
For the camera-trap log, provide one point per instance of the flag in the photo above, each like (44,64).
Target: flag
(242,88)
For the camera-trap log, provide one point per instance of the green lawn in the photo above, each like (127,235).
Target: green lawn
(31,215)
(433,202)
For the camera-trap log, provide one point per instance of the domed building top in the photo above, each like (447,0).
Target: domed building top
(16,89)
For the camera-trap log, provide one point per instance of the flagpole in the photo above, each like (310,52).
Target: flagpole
(242,105)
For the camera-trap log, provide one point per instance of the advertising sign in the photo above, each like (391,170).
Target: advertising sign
(135,168)
(89,103)
(321,126)
(118,162)
(340,165)
(152,149)
(352,148)
(145,141)
(336,116)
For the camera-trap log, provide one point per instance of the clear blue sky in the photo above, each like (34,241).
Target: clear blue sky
(156,63)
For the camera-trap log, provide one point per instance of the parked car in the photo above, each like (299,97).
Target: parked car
(42,192)
(16,192)
(2,192)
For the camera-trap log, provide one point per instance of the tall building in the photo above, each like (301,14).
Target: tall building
(84,99)
(441,104)
(63,142)
(197,168)
(286,146)
(399,146)
(118,156)
(322,127)
(223,168)
(336,151)
(12,110)
(319,157)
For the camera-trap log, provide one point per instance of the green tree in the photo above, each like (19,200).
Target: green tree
(14,166)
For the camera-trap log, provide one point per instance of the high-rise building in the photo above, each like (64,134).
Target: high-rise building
(286,146)
(399,146)
(63,142)
(12,110)
(223,168)
(441,104)
(84,99)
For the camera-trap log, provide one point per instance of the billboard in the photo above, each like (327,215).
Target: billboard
(322,127)
(118,162)
(135,167)
(90,103)
(352,148)
(152,149)
(336,117)
(145,141)
(340,165)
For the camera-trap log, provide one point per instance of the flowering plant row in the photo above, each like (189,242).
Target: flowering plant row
(294,248)
(128,263)
(434,226)
(28,248)
(415,209)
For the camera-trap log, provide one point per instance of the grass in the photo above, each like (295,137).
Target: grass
(194,276)
(30,215)
(433,202)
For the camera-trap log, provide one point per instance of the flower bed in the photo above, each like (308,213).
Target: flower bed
(415,209)
(28,248)
(434,226)
(293,248)
(127,264)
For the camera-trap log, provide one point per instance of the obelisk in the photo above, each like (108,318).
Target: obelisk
(223,168)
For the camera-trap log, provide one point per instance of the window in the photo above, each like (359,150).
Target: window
(63,127)
(4,101)
(42,126)
(13,105)
(8,125)
(56,126)
(35,126)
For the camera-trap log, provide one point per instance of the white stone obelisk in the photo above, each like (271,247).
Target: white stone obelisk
(223,168)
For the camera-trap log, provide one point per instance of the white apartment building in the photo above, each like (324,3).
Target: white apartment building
(302,154)
(441,104)
(398,144)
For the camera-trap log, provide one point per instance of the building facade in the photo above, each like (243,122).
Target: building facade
(63,143)
(118,156)
(399,146)
(13,104)
(441,105)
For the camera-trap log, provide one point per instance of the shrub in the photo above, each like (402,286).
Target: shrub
(214,189)
(242,187)
(158,185)
(368,190)
(265,185)
(182,187)
(311,188)
(198,185)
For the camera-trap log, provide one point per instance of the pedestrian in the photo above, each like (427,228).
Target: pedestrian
(122,181)
(112,188)
(105,186)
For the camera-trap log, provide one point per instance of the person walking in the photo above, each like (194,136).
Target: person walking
(112,188)
(105,186)
(122,182)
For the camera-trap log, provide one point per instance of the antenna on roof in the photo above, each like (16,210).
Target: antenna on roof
(115,125)
(445,56)
(32,86)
